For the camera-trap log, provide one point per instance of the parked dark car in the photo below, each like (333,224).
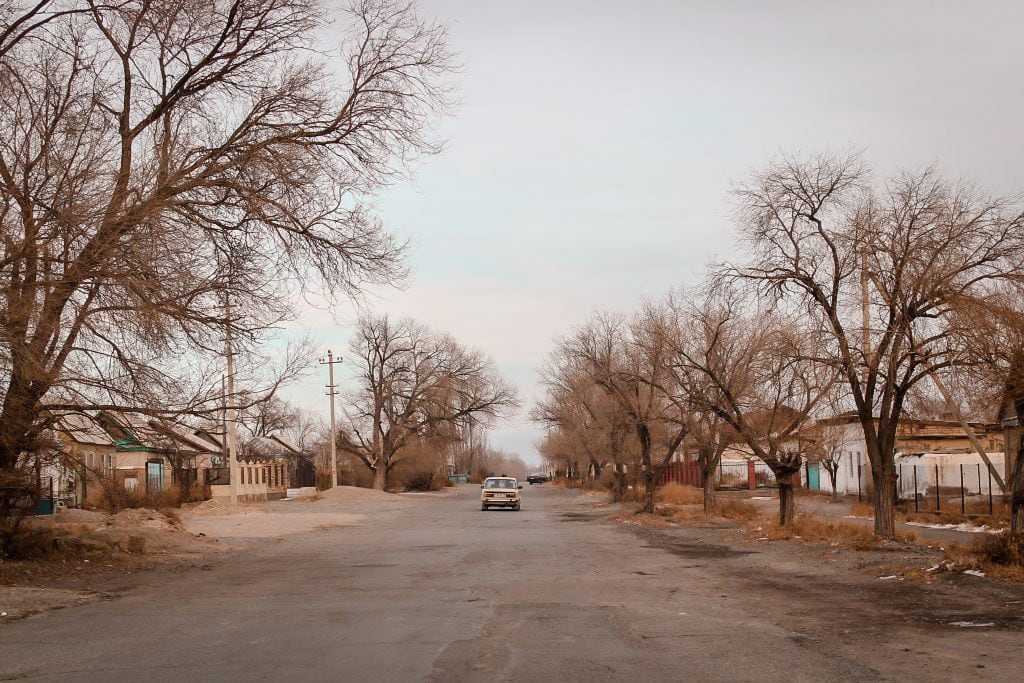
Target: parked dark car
(538,478)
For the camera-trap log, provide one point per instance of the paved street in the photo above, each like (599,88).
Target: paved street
(442,591)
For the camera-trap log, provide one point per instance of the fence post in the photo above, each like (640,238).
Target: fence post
(751,476)
(860,497)
(963,503)
(915,488)
(938,502)
(991,512)
(899,482)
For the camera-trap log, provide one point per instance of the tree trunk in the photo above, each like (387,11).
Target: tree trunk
(380,477)
(885,493)
(618,483)
(650,491)
(1017,475)
(835,487)
(707,476)
(787,501)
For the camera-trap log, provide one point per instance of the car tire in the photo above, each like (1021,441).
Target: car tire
(516,508)
(483,507)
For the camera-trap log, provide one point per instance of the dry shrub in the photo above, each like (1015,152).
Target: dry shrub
(728,508)
(313,498)
(1006,549)
(998,556)
(732,508)
(17,501)
(29,543)
(424,480)
(116,497)
(680,494)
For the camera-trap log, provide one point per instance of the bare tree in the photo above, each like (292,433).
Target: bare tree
(170,172)
(878,269)
(414,382)
(993,328)
(628,360)
(829,442)
(582,419)
(756,371)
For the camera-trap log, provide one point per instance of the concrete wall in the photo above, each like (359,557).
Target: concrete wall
(259,481)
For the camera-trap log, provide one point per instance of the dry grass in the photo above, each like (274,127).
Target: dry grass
(815,529)
(642,519)
(949,514)
(861,509)
(727,508)
(1000,556)
(313,498)
(837,533)
(680,494)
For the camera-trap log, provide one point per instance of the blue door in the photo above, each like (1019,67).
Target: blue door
(813,476)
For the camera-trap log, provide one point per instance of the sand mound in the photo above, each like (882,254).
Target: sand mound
(219,507)
(144,518)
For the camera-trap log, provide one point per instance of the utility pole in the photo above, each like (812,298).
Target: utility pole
(331,393)
(230,423)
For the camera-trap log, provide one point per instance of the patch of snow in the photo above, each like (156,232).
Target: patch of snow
(856,517)
(888,578)
(935,568)
(963,526)
(974,572)
(762,498)
(971,624)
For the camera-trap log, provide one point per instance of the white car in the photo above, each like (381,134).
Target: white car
(500,492)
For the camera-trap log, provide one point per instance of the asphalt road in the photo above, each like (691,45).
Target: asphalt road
(439,591)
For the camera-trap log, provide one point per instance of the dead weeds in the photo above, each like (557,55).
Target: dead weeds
(680,494)
(722,508)
(1000,557)
(641,519)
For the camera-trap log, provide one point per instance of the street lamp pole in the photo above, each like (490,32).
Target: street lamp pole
(331,393)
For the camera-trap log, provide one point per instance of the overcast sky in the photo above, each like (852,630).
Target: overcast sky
(590,160)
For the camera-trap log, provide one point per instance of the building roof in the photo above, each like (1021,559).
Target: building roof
(83,428)
(286,443)
(136,432)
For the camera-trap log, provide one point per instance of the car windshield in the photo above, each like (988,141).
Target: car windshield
(500,483)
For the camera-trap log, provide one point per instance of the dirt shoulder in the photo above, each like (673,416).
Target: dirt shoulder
(101,556)
(861,603)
